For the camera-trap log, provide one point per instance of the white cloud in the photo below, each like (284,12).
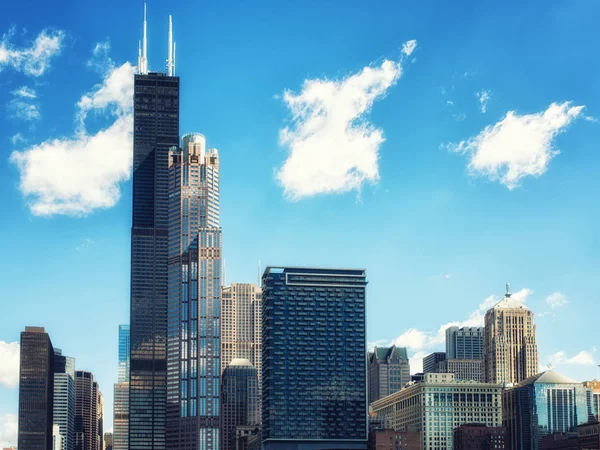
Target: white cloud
(517,146)
(556,300)
(459,117)
(33,60)
(8,430)
(449,103)
(17,138)
(100,60)
(332,147)
(9,368)
(483,97)
(76,175)
(409,46)
(25,92)
(583,358)
(22,110)
(84,244)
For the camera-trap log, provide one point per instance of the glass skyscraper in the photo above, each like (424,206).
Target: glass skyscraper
(124,353)
(464,343)
(156,129)
(314,384)
(64,398)
(194,288)
(121,393)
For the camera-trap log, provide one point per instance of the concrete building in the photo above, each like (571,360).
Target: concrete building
(57,438)
(431,361)
(593,387)
(544,404)
(560,441)
(388,371)
(464,343)
(314,386)
(463,369)
(194,292)
(479,437)
(64,398)
(239,396)
(439,404)
(120,437)
(36,390)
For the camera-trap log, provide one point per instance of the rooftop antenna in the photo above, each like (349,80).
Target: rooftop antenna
(507,289)
(142,59)
(174,48)
(170,58)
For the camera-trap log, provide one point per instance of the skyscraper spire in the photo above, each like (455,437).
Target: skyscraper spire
(174,48)
(170,64)
(142,59)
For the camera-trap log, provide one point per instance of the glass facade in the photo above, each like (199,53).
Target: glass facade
(464,343)
(64,398)
(156,129)
(124,353)
(314,392)
(36,388)
(121,392)
(86,405)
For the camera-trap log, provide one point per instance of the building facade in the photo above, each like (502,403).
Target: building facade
(57,438)
(120,437)
(479,437)
(124,354)
(388,439)
(464,343)
(510,348)
(388,371)
(593,387)
(589,435)
(239,394)
(64,398)
(438,405)
(36,390)
(463,369)
(314,391)
(89,412)
(194,308)
(108,441)
(431,361)
(544,404)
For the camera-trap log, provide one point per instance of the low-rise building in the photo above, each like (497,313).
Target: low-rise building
(479,436)
(388,439)
(589,436)
(560,441)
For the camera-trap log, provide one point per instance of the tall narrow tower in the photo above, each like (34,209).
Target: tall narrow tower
(193,408)
(510,349)
(156,129)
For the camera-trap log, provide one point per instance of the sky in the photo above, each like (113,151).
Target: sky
(445,148)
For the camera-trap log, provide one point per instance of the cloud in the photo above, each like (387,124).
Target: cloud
(556,300)
(517,146)
(84,244)
(583,358)
(409,46)
(332,147)
(17,138)
(76,175)
(100,60)
(8,430)
(35,59)
(18,109)
(25,92)
(9,369)
(483,97)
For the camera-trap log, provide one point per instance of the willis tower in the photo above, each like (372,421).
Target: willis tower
(156,129)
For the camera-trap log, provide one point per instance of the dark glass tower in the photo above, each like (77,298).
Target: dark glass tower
(314,384)
(156,129)
(36,388)
(86,411)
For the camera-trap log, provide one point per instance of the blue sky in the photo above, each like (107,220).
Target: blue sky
(445,166)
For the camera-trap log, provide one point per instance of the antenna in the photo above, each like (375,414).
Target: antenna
(174,48)
(508,289)
(142,59)
(170,58)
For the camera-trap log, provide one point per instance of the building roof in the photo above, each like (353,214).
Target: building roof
(386,352)
(547,377)
(240,362)
(509,302)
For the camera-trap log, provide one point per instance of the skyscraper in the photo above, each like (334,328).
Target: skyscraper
(155,130)
(239,394)
(431,362)
(313,359)
(64,398)
(99,417)
(510,349)
(464,343)
(57,438)
(388,370)
(194,310)
(121,393)
(36,390)
(89,412)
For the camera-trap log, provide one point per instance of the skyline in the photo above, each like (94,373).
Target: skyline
(448,238)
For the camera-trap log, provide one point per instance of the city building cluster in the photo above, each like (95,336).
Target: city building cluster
(281,364)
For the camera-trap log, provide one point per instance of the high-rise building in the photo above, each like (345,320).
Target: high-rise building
(57,438)
(439,404)
(121,393)
(36,390)
(431,361)
(89,412)
(239,394)
(99,417)
(108,441)
(464,343)
(510,349)
(388,371)
(463,369)
(64,398)
(155,130)
(314,391)
(541,405)
(593,393)
(194,310)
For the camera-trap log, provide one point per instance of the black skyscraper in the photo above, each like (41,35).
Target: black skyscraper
(156,128)
(36,389)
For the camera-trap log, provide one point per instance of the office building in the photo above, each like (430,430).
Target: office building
(194,309)
(313,359)
(120,435)
(36,390)
(155,130)
(99,417)
(479,436)
(388,371)
(64,398)
(89,412)
(430,362)
(239,395)
(510,349)
(593,387)
(544,404)
(108,441)
(464,343)
(438,405)
(57,438)
(463,369)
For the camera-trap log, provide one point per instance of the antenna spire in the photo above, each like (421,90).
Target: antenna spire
(170,64)
(142,59)
(174,48)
